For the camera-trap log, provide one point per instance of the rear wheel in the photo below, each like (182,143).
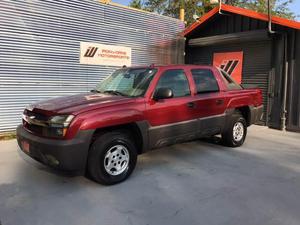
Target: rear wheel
(235,134)
(112,158)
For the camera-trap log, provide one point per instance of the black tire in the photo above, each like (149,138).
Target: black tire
(98,151)
(228,138)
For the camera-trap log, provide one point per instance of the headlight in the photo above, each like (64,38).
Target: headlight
(60,121)
(58,125)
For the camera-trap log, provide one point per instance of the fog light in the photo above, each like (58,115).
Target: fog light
(60,132)
(52,160)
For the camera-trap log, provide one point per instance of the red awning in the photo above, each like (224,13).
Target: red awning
(242,12)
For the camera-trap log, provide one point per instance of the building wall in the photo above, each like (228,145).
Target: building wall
(226,24)
(254,74)
(40,44)
(264,62)
(293,106)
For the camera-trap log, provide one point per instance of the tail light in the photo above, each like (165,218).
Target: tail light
(258,98)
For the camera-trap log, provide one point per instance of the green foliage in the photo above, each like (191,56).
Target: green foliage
(136,4)
(200,7)
(279,7)
(192,7)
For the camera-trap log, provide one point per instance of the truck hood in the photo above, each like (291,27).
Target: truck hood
(75,104)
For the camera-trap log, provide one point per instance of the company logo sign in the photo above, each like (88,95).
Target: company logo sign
(230,62)
(90,52)
(229,65)
(109,55)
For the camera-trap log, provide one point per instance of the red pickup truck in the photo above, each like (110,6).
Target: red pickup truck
(134,110)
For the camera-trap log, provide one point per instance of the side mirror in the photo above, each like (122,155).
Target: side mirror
(163,93)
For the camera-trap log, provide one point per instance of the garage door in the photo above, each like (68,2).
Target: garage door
(256,63)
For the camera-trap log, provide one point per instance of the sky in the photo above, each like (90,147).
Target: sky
(295,6)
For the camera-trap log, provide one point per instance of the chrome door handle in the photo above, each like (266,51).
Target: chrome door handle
(219,101)
(191,105)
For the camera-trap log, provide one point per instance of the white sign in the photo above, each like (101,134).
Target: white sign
(109,55)
(214,1)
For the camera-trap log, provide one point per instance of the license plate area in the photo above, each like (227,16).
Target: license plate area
(25,146)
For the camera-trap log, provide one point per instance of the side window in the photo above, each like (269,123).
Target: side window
(205,81)
(177,81)
(231,84)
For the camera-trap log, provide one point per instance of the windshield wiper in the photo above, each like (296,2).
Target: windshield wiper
(114,92)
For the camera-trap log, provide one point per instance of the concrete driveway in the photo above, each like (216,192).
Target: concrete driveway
(192,183)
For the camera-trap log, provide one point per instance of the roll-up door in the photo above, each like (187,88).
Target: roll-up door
(256,63)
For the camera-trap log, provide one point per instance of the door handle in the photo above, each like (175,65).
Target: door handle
(219,101)
(191,105)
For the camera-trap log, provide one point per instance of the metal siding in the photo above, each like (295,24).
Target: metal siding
(272,68)
(293,123)
(257,54)
(40,44)
(256,63)
(226,24)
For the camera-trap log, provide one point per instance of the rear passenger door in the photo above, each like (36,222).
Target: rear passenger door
(209,102)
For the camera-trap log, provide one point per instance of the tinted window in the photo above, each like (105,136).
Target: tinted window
(175,80)
(231,84)
(205,81)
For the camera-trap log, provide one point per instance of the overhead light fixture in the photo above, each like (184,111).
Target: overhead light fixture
(195,17)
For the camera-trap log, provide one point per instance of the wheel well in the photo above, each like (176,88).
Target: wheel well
(245,111)
(132,129)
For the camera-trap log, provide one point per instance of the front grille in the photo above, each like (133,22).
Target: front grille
(35,128)
(38,124)
(37,116)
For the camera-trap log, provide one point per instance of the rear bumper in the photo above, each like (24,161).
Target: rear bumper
(256,114)
(68,155)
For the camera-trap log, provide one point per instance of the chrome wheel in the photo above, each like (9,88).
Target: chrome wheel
(238,131)
(116,160)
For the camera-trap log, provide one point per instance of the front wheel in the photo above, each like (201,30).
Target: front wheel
(235,134)
(112,158)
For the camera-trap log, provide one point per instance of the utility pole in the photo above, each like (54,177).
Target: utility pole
(181,12)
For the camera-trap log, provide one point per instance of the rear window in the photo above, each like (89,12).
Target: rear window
(230,83)
(205,81)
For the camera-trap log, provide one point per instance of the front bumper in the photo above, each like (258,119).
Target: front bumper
(67,155)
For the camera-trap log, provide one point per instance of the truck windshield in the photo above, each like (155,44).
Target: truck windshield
(131,82)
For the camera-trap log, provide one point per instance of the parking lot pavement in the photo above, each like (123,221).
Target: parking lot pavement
(192,183)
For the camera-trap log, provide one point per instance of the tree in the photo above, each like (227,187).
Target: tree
(192,8)
(158,6)
(199,7)
(136,4)
(279,7)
